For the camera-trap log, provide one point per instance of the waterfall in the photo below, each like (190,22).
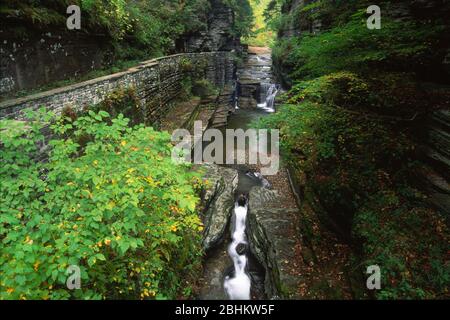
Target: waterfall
(235,95)
(264,89)
(269,92)
(238,286)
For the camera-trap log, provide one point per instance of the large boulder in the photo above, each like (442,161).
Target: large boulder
(218,202)
(272,242)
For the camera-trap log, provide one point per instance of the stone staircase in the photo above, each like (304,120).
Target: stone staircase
(224,108)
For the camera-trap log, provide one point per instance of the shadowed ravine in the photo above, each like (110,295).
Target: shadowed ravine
(231,271)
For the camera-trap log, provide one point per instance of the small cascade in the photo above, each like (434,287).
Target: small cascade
(255,95)
(238,285)
(269,92)
(264,89)
(235,102)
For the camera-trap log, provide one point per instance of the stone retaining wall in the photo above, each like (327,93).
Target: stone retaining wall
(157,83)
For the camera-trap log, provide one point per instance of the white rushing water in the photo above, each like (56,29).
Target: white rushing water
(238,287)
(269,92)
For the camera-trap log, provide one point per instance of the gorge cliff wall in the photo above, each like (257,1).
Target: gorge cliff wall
(32,56)
(39,58)
(218,34)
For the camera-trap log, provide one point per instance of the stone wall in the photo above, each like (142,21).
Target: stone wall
(157,83)
(39,58)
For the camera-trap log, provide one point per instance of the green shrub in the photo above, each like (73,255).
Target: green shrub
(186,65)
(336,89)
(123,101)
(118,208)
(408,240)
(353,47)
(203,88)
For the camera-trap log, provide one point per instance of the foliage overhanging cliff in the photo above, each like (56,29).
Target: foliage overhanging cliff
(149,27)
(353,125)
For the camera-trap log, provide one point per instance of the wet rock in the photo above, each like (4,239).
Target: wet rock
(218,202)
(247,103)
(249,91)
(438,140)
(241,249)
(211,281)
(270,243)
(257,176)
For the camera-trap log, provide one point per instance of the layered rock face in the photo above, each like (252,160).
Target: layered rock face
(44,57)
(218,35)
(272,241)
(254,77)
(218,202)
(296,26)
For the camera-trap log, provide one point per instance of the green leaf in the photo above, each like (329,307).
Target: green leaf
(100,256)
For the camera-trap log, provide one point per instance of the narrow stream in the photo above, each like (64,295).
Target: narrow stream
(245,280)
(231,270)
(238,286)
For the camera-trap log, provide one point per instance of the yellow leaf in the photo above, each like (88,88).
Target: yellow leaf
(111,205)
